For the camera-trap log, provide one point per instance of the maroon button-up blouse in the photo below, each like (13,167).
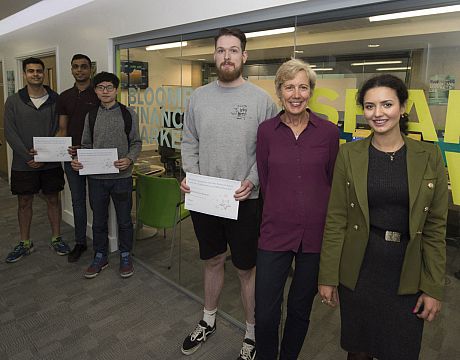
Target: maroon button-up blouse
(295,179)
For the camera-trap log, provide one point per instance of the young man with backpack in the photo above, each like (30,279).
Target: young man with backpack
(112,125)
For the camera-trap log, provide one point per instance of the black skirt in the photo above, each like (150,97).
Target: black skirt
(375,319)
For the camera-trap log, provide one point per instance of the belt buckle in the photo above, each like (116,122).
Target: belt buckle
(392,236)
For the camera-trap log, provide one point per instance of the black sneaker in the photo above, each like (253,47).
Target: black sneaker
(248,350)
(193,342)
(75,254)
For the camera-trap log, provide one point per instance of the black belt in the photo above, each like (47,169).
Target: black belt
(388,235)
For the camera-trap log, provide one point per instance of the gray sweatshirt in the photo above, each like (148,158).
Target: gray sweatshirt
(23,121)
(109,132)
(220,131)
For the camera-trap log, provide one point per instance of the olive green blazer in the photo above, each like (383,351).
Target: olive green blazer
(347,224)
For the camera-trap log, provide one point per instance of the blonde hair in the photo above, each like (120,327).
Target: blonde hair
(289,69)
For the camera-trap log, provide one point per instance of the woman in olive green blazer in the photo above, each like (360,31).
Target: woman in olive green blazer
(349,228)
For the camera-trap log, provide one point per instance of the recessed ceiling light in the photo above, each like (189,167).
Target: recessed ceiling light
(373,45)
(313,65)
(201,59)
(365,63)
(394,68)
(423,12)
(323,69)
(269,32)
(166,46)
(298,51)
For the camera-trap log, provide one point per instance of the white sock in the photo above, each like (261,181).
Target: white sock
(250,331)
(209,316)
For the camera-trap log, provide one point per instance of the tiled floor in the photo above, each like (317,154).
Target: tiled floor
(49,311)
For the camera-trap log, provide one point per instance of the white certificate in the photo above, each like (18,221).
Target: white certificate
(212,196)
(97,161)
(50,149)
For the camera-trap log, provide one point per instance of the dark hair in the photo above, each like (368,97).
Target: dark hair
(392,82)
(106,76)
(32,60)
(81,56)
(232,32)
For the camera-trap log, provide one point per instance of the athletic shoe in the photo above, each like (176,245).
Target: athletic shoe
(19,251)
(126,265)
(99,263)
(60,246)
(198,336)
(248,350)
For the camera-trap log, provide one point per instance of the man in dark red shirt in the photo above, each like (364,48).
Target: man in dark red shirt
(72,106)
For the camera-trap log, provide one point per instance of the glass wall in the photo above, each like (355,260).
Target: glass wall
(157,83)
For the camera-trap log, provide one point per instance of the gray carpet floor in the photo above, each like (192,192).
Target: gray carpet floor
(49,311)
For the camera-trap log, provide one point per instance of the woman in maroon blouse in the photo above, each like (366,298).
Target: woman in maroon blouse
(296,152)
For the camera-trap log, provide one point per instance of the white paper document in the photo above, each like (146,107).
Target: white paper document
(50,149)
(97,161)
(212,196)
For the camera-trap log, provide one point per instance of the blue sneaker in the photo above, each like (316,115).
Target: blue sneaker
(126,265)
(19,251)
(99,263)
(60,246)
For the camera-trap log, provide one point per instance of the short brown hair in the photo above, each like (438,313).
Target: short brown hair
(232,32)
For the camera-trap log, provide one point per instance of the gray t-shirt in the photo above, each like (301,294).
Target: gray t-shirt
(220,131)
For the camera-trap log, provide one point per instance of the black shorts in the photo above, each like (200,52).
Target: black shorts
(214,233)
(31,182)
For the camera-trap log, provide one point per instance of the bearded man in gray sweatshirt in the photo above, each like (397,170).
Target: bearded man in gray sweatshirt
(219,139)
(112,125)
(28,113)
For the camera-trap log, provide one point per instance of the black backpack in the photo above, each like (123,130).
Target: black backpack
(127,119)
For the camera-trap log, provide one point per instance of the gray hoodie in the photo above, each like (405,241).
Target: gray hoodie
(23,121)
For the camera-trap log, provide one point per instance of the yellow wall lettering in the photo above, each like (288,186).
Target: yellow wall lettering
(452,130)
(317,107)
(453,164)
(425,122)
(351,111)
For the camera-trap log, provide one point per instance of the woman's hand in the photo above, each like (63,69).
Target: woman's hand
(329,295)
(427,308)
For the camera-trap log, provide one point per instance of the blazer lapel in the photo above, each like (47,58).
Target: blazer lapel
(417,160)
(359,161)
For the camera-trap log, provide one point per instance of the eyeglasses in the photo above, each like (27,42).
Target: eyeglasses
(108,88)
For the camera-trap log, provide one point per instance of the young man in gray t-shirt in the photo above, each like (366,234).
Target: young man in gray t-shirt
(219,139)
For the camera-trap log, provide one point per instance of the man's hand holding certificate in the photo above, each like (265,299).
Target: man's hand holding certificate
(213,196)
(96,161)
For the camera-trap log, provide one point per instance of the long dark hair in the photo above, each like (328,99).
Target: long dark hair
(392,82)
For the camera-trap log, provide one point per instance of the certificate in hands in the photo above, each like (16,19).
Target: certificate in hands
(97,161)
(212,196)
(51,149)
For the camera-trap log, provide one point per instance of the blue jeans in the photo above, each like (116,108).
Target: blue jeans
(272,271)
(120,191)
(77,184)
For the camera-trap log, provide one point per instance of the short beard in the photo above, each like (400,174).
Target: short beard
(229,76)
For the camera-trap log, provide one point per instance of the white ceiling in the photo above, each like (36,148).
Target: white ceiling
(10,7)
